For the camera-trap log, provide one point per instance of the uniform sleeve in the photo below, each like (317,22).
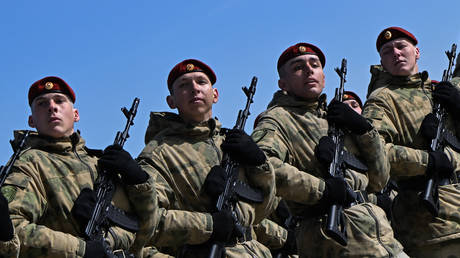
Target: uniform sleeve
(180,227)
(27,204)
(371,149)
(262,178)
(404,161)
(271,234)
(309,189)
(175,227)
(144,202)
(10,249)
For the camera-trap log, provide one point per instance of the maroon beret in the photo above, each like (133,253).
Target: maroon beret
(392,33)
(298,50)
(188,66)
(347,95)
(50,84)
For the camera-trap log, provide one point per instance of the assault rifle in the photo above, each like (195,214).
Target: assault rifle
(443,136)
(335,222)
(5,170)
(233,187)
(105,188)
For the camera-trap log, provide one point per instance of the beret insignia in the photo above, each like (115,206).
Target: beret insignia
(388,34)
(302,49)
(190,67)
(49,85)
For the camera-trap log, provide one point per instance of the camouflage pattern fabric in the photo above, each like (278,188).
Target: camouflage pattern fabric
(271,234)
(45,181)
(10,249)
(288,132)
(397,110)
(179,156)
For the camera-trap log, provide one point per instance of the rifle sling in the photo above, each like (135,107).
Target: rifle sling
(122,219)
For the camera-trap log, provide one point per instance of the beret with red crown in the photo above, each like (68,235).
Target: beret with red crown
(50,84)
(188,66)
(298,50)
(351,95)
(392,33)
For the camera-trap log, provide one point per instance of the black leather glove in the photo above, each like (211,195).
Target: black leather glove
(345,117)
(7,229)
(214,184)
(116,160)
(94,249)
(223,226)
(83,206)
(337,192)
(440,163)
(384,201)
(429,127)
(324,150)
(242,148)
(449,97)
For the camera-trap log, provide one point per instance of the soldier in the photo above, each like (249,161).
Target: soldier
(352,99)
(292,133)
(48,190)
(400,99)
(183,153)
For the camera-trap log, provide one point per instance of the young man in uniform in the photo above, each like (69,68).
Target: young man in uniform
(400,108)
(183,153)
(49,188)
(293,134)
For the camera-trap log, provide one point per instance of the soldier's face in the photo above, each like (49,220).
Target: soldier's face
(193,96)
(302,76)
(53,115)
(399,57)
(354,105)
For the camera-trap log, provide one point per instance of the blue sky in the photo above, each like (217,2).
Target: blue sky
(112,51)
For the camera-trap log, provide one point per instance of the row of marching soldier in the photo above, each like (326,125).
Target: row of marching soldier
(313,180)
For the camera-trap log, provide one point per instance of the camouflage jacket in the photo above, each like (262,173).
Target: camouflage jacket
(10,249)
(179,156)
(288,132)
(42,187)
(397,108)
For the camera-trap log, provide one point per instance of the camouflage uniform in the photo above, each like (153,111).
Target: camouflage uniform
(288,133)
(10,249)
(179,156)
(42,187)
(397,108)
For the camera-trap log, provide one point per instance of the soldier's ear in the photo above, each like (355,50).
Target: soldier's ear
(171,102)
(215,94)
(417,53)
(31,122)
(282,84)
(76,116)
